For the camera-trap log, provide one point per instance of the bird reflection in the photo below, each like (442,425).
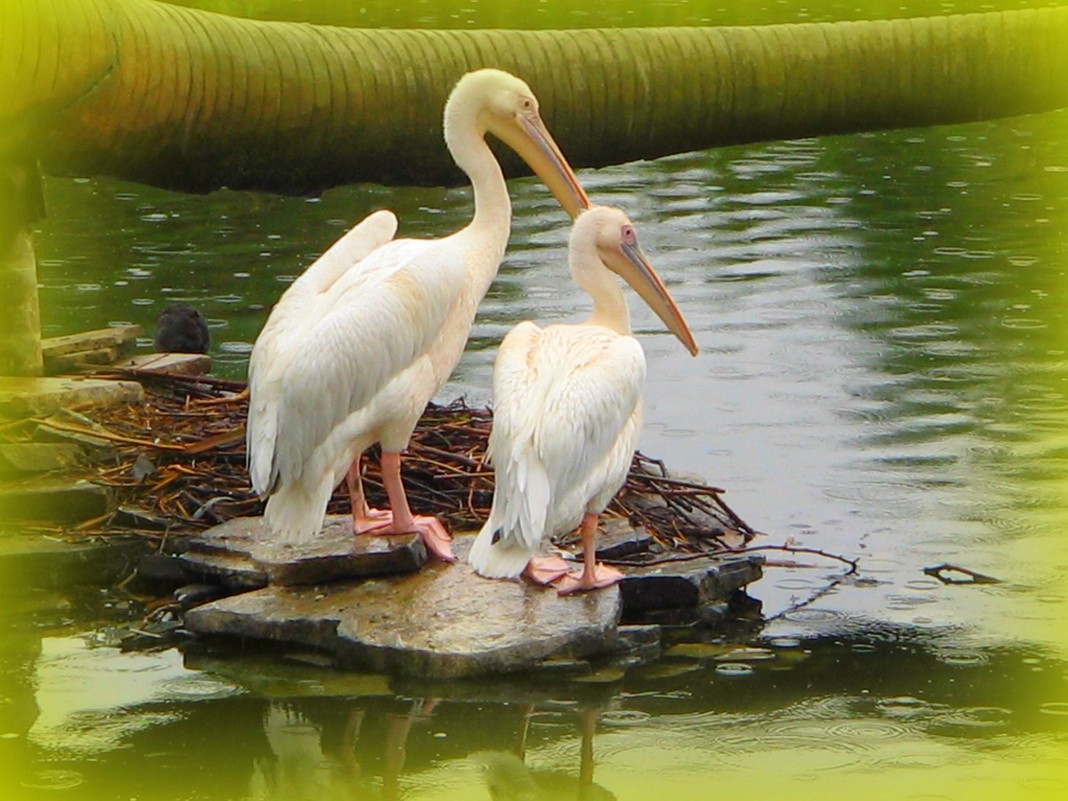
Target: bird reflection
(508,778)
(300,766)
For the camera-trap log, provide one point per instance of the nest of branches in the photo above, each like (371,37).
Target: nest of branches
(181,462)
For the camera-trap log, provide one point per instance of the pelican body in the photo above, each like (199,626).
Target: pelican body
(362,340)
(568,412)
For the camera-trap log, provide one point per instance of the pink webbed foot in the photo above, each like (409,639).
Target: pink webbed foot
(546,569)
(435,536)
(370,520)
(603,576)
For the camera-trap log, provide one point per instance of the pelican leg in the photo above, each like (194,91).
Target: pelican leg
(364,518)
(434,534)
(593,575)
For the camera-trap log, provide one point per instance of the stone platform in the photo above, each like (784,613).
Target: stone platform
(443,621)
(371,603)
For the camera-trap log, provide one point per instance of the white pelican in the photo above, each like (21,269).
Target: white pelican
(567,412)
(358,345)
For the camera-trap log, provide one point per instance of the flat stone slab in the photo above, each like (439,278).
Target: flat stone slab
(174,363)
(29,397)
(38,457)
(241,553)
(688,583)
(443,622)
(112,337)
(38,562)
(58,501)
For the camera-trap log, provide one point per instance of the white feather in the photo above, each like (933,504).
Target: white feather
(567,414)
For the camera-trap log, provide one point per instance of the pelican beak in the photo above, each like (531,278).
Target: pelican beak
(630,264)
(532,141)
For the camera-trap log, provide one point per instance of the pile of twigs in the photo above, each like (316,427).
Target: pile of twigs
(182,459)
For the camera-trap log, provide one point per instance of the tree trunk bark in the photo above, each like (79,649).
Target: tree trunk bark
(20,340)
(192,100)
(21,205)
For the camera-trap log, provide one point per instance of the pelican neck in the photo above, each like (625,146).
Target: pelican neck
(609,303)
(493,206)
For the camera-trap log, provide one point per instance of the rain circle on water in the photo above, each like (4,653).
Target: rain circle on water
(53,780)
(734,669)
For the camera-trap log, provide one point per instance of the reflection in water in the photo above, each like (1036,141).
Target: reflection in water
(309,760)
(892,702)
(301,766)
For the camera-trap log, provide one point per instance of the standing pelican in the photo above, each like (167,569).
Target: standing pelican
(359,344)
(568,412)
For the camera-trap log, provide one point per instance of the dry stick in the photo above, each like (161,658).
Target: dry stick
(676,482)
(973,577)
(706,554)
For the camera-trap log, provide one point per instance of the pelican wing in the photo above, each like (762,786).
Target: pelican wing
(367,327)
(562,399)
(288,316)
(288,320)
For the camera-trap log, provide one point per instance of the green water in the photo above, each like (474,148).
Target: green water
(884,376)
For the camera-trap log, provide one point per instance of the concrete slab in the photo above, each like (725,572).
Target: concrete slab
(122,336)
(31,397)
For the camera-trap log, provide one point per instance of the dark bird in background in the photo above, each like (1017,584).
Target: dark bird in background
(181,329)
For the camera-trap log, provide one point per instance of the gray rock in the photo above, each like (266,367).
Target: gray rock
(235,572)
(38,457)
(685,584)
(53,500)
(618,539)
(34,561)
(241,553)
(442,622)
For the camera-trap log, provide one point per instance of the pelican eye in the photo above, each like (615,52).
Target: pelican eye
(630,236)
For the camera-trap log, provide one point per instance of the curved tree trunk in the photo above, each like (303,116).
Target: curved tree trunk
(193,100)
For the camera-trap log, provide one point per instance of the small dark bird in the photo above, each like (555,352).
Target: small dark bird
(181,329)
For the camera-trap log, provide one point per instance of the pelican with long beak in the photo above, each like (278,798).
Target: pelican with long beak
(362,340)
(567,412)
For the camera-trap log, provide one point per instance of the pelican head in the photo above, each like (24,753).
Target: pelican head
(505,106)
(613,235)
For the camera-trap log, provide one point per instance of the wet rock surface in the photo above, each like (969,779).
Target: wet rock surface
(690,583)
(242,554)
(366,603)
(443,622)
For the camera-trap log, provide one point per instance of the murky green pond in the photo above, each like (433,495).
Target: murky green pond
(883,376)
